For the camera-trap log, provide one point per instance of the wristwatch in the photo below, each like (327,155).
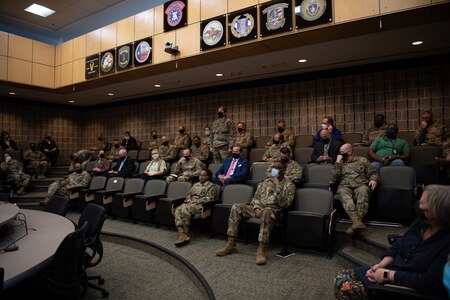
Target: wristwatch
(386,274)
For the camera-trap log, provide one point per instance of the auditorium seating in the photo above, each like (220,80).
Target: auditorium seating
(144,205)
(122,201)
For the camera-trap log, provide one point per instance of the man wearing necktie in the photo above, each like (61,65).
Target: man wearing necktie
(124,167)
(234,169)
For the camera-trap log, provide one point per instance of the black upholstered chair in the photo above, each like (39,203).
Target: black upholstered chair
(57,205)
(122,201)
(144,205)
(87,195)
(163,213)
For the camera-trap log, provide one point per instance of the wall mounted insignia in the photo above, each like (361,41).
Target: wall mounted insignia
(142,52)
(108,62)
(92,66)
(175,14)
(312,12)
(213,33)
(276,17)
(124,57)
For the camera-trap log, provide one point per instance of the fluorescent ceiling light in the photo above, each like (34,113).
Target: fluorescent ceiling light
(71,101)
(39,10)
(302,60)
(219,74)
(12,93)
(417,43)
(157,85)
(110,94)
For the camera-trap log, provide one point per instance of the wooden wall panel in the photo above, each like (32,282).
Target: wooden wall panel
(20,47)
(3,67)
(108,38)
(93,42)
(67,74)
(194,11)
(78,70)
(346,10)
(57,77)
(209,9)
(43,75)
(187,45)
(388,6)
(125,31)
(234,5)
(439,1)
(158,18)
(19,70)
(67,52)
(159,40)
(144,24)
(58,51)
(79,47)
(3,43)
(43,53)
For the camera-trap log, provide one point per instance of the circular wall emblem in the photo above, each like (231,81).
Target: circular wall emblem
(241,26)
(174,13)
(107,62)
(142,52)
(124,56)
(311,10)
(212,33)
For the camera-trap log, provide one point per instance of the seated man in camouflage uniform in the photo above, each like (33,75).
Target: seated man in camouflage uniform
(377,130)
(187,169)
(168,152)
(272,195)
(199,193)
(200,150)
(244,138)
(77,179)
(14,173)
(294,171)
(37,160)
(429,132)
(273,153)
(356,177)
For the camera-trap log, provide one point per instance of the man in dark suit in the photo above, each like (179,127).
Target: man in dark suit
(129,142)
(124,167)
(234,169)
(327,150)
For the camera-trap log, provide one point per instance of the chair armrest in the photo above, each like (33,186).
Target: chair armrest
(392,238)
(90,191)
(380,291)
(149,197)
(178,201)
(333,187)
(209,204)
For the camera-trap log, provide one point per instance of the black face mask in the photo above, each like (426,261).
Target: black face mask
(280,129)
(187,157)
(154,136)
(275,142)
(220,114)
(197,144)
(181,131)
(285,160)
(33,148)
(116,146)
(122,157)
(344,156)
(326,140)
(165,143)
(100,139)
(378,124)
(235,155)
(240,129)
(79,171)
(391,134)
(101,155)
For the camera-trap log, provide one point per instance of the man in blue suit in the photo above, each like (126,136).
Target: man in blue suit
(234,169)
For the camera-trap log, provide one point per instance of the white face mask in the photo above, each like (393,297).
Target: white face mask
(206,133)
(8,159)
(155,156)
(275,172)
(324,126)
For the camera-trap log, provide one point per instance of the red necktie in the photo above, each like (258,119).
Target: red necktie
(230,169)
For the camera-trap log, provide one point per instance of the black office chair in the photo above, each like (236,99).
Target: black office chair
(95,216)
(66,271)
(57,205)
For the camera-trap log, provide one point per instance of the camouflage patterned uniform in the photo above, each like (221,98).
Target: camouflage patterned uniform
(168,153)
(244,139)
(100,145)
(222,138)
(154,144)
(37,160)
(274,151)
(270,198)
(14,172)
(372,133)
(353,177)
(193,166)
(202,152)
(198,194)
(182,141)
(294,171)
(432,135)
(288,136)
(73,180)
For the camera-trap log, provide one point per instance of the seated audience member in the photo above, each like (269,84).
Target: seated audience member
(187,169)
(377,130)
(7,143)
(272,154)
(168,152)
(327,150)
(356,178)
(234,169)
(389,150)
(243,136)
(154,142)
(63,187)
(328,123)
(272,195)
(82,157)
(37,160)
(14,173)
(182,140)
(288,135)
(199,150)
(429,131)
(50,150)
(113,155)
(414,261)
(206,139)
(102,165)
(125,166)
(200,192)
(294,171)
(156,168)
(129,142)
(100,144)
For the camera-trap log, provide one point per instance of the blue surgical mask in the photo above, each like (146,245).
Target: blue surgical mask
(275,172)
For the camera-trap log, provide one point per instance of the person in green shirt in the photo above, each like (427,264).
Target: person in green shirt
(389,150)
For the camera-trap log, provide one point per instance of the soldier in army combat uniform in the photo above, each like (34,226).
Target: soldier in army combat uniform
(377,130)
(429,132)
(14,172)
(200,150)
(288,135)
(168,152)
(271,196)
(273,153)
(244,138)
(182,140)
(154,142)
(356,177)
(37,160)
(187,169)
(222,136)
(294,171)
(199,193)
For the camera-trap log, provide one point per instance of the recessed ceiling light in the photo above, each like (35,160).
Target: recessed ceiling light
(11,93)
(417,43)
(157,85)
(71,101)
(39,10)
(219,75)
(110,94)
(302,60)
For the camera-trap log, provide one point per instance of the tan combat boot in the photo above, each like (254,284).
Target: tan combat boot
(21,191)
(183,238)
(229,248)
(261,254)
(357,224)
